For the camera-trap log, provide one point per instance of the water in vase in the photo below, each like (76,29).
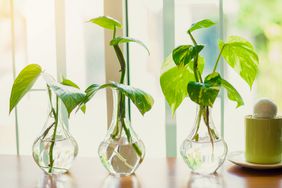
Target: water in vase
(63,154)
(121,157)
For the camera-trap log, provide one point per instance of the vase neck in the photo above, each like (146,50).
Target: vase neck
(120,127)
(56,124)
(204,127)
(120,110)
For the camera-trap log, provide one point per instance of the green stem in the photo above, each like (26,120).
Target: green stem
(121,62)
(218,58)
(129,138)
(53,138)
(207,122)
(120,116)
(121,124)
(47,130)
(114,33)
(121,100)
(197,74)
(196,135)
(192,38)
(195,69)
(50,100)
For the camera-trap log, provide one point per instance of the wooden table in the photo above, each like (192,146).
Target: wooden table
(22,172)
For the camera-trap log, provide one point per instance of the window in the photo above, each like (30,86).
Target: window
(55,34)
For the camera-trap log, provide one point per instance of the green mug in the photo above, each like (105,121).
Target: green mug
(263,140)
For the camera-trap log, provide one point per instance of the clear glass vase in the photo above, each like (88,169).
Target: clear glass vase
(121,152)
(204,151)
(55,149)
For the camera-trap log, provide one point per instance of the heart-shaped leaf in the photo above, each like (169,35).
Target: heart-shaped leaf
(205,93)
(71,96)
(23,83)
(232,93)
(120,40)
(201,24)
(106,22)
(68,82)
(142,100)
(185,53)
(241,56)
(174,80)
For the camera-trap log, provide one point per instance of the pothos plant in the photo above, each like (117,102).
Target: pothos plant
(142,100)
(182,73)
(66,91)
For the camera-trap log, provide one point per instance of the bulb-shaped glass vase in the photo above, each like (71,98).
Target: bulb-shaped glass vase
(204,151)
(55,149)
(121,152)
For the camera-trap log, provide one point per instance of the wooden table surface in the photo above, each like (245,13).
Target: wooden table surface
(22,172)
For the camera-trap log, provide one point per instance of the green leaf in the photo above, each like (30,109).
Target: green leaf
(142,100)
(83,108)
(23,83)
(68,82)
(120,40)
(106,22)
(205,93)
(91,91)
(174,81)
(201,24)
(241,56)
(185,53)
(70,96)
(232,93)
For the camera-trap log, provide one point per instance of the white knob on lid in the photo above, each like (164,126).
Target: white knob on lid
(265,108)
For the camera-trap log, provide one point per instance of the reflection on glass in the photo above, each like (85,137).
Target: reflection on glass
(57,181)
(205,181)
(121,182)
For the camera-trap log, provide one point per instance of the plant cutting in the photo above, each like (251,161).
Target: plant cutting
(182,76)
(55,149)
(122,151)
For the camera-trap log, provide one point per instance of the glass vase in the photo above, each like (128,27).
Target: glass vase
(204,151)
(55,149)
(121,152)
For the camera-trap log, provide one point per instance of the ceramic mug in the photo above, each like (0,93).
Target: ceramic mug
(263,140)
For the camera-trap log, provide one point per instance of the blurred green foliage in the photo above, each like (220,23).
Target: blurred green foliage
(263,19)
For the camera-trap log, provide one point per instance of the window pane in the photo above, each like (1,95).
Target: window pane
(86,65)
(7,128)
(145,21)
(36,43)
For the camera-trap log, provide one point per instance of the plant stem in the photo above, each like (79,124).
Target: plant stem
(197,73)
(218,58)
(208,126)
(114,33)
(198,124)
(195,69)
(192,38)
(121,62)
(121,102)
(53,138)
